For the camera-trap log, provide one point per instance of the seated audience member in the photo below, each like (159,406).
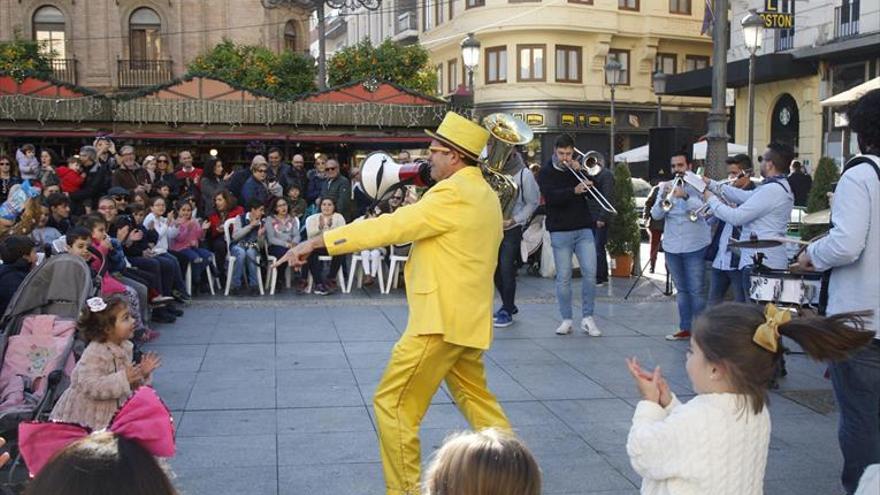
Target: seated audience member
(372,258)
(248,234)
(51,185)
(211,183)
(42,234)
(256,188)
(487,462)
(59,213)
(186,243)
(225,207)
(19,254)
(30,217)
(282,231)
(165,174)
(316,225)
(138,250)
(734,356)
(296,201)
(164,230)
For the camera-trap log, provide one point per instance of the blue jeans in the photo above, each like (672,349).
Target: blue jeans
(722,280)
(687,270)
(857,388)
(198,267)
(244,256)
(581,244)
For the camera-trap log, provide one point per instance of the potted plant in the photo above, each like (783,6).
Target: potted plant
(623,230)
(823,180)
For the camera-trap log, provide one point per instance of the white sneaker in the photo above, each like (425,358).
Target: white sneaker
(588,325)
(564,328)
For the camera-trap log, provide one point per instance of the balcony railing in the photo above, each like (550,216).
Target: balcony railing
(64,69)
(846,21)
(139,73)
(407,21)
(784,42)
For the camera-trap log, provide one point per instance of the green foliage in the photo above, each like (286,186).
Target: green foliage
(623,230)
(826,174)
(257,68)
(22,58)
(405,65)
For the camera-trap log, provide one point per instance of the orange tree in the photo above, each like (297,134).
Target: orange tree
(405,65)
(257,68)
(23,58)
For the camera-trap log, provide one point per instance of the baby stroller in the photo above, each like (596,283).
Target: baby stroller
(37,343)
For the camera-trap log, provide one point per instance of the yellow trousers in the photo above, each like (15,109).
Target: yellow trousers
(418,364)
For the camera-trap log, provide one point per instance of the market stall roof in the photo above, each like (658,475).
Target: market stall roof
(851,94)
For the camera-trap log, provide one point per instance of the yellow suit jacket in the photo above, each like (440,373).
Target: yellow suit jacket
(456,229)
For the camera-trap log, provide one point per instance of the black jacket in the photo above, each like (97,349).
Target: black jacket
(565,210)
(604,181)
(801,184)
(11,277)
(97,184)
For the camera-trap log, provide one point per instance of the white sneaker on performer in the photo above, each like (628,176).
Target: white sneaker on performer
(564,328)
(588,325)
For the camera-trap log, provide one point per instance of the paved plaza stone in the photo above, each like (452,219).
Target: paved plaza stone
(273,395)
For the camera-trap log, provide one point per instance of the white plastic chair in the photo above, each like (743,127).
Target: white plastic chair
(357,266)
(396,264)
(60,245)
(208,273)
(230,259)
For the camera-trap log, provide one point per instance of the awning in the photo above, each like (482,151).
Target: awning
(642,153)
(768,68)
(176,136)
(851,94)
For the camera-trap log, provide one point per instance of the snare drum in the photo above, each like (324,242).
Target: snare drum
(786,287)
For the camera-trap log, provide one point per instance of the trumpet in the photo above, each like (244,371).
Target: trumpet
(666,204)
(594,192)
(703,211)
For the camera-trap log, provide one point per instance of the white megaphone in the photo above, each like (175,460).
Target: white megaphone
(380,172)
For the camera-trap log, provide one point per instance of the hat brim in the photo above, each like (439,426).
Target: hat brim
(452,145)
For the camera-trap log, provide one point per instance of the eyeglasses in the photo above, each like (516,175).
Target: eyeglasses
(439,149)
(260,171)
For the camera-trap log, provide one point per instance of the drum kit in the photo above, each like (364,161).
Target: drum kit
(792,288)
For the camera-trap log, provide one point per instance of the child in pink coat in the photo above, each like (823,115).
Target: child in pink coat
(105,375)
(186,243)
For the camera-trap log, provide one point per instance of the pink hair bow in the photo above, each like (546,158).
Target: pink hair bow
(143,419)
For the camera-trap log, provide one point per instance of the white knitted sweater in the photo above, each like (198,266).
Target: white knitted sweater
(711,445)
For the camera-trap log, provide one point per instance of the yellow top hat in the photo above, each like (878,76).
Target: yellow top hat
(461,134)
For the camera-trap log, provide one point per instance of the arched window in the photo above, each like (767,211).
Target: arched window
(49,30)
(290,36)
(144,27)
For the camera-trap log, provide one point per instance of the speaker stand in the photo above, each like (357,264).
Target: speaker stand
(666,292)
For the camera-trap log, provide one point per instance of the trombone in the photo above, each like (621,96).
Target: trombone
(592,190)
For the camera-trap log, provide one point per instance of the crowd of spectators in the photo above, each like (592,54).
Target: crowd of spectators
(157,229)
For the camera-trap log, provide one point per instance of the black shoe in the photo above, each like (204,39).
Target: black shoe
(253,291)
(162,317)
(237,291)
(174,310)
(181,297)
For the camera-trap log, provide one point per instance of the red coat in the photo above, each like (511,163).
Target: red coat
(216,229)
(71,180)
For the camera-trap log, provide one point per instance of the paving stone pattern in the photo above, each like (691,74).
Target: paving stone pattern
(273,395)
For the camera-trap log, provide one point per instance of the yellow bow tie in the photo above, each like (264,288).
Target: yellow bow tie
(767,334)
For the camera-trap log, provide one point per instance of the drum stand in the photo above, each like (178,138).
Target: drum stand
(666,292)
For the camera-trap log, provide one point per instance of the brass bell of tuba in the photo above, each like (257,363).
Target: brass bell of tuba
(506,132)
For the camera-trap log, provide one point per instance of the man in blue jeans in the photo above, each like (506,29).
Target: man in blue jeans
(851,250)
(684,243)
(570,225)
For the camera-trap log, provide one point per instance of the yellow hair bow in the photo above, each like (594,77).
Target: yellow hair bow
(767,334)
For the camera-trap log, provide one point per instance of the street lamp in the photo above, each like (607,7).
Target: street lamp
(753,34)
(470,56)
(612,77)
(659,80)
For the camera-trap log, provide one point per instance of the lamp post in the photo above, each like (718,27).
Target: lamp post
(659,80)
(470,56)
(612,76)
(753,33)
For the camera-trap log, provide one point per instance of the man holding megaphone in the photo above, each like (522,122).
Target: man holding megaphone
(456,229)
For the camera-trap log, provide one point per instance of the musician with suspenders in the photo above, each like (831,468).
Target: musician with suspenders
(763,212)
(851,250)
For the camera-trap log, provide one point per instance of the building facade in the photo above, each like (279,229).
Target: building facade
(833,46)
(108,44)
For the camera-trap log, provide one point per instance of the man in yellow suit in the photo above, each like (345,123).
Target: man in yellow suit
(456,231)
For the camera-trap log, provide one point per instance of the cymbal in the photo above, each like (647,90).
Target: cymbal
(821,217)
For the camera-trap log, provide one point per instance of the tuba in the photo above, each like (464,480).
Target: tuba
(506,132)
